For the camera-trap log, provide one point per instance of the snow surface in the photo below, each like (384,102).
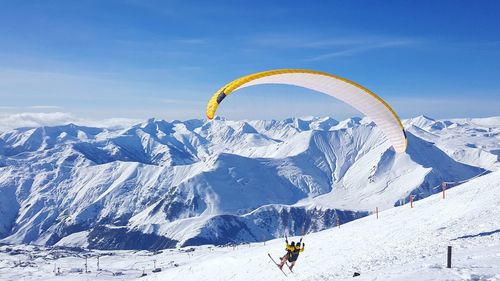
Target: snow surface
(402,244)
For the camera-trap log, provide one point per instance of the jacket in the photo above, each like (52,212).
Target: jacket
(294,250)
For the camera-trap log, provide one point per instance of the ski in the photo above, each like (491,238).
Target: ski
(277,264)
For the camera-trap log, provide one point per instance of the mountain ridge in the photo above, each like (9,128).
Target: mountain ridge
(195,181)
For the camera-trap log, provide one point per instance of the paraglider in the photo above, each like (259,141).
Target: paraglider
(345,90)
(292,253)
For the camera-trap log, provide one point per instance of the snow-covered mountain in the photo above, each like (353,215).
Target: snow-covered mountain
(163,184)
(400,243)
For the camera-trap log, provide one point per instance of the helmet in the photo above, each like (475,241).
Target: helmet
(292,244)
(298,244)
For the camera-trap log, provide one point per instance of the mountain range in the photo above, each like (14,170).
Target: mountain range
(163,184)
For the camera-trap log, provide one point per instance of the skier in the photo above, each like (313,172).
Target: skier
(292,253)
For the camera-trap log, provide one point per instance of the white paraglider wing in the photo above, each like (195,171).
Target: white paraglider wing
(347,91)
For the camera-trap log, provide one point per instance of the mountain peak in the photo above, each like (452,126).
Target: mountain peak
(227,167)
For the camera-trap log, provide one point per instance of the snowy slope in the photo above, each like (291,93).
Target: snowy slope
(160,184)
(404,238)
(402,244)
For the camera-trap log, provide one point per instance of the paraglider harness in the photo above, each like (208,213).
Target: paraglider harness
(293,251)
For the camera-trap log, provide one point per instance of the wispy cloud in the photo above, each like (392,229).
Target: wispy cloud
(37,119)
(297,41)
(70,85)
(45,107)
(363,49)
(333,45)
(33,119)
(323,41)
(7,107)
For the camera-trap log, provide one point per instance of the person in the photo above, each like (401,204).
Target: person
(292,253)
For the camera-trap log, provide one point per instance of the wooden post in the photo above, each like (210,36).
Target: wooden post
(376,211)
(411,200)
(443,187)
(448,265)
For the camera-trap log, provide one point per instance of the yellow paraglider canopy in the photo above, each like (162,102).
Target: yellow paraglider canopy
(350,92)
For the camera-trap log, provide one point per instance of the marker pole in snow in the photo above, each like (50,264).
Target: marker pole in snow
(376,211)
(443,187)
(338,222)
(411,200)
(448,265)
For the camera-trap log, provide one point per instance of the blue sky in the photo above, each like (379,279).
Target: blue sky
(139,59)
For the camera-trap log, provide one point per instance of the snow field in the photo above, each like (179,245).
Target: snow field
(403,244)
